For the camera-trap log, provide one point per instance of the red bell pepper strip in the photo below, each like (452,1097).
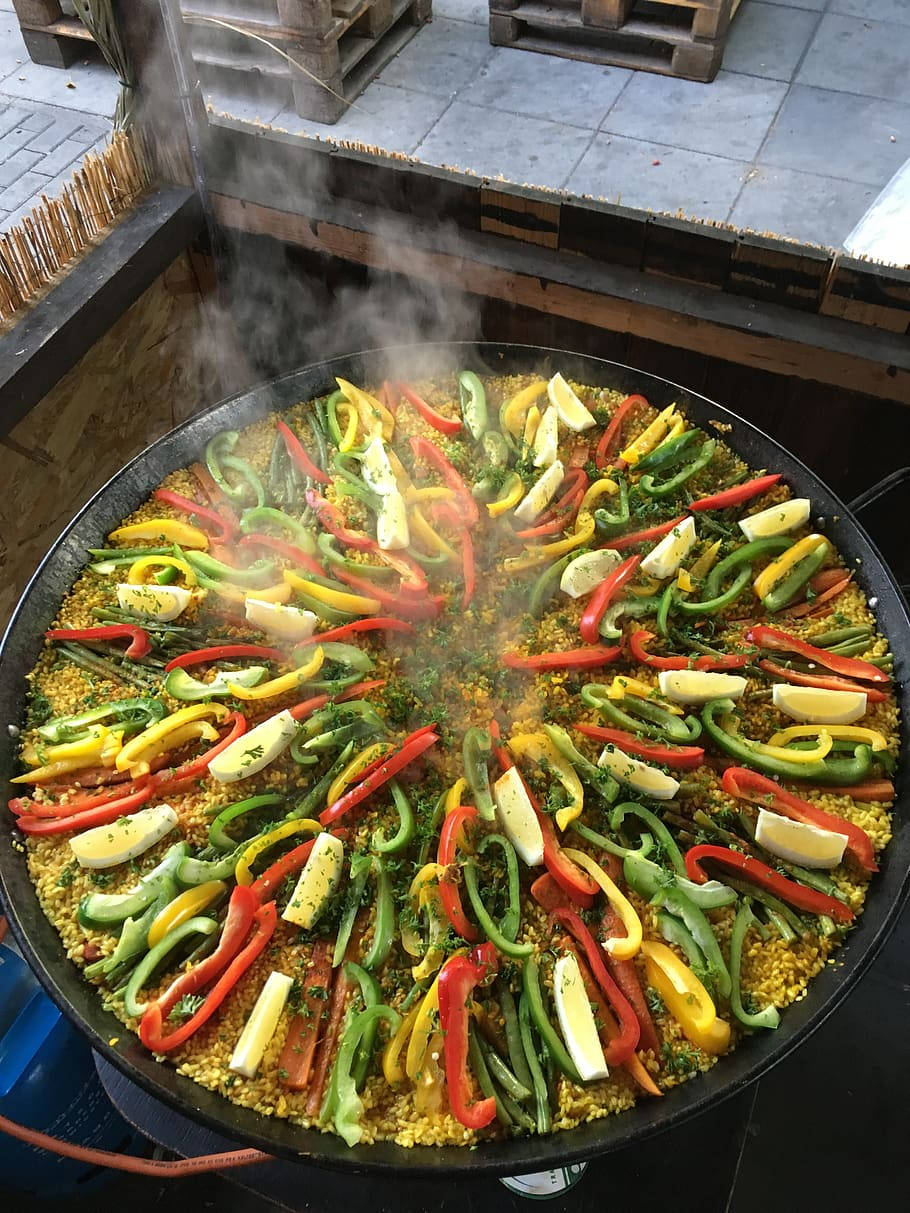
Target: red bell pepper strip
(737,495)
(572,491)
(296,1062)
(625,975)
(430,453)
(264,921)
(301,711)
(609,439)
(548,894)
(450,836)
(330,519)
(766,878)
(376,623)
(827,682)
(457,980)
(139,639)
(782,642)
(85,819)
(621,1049)
(227,527)
(602,597)
(545,528)
(445,425)
(827,592)
(282,548)
(413,578)
(266,885)
(411,748)
(571,659)
(685,757)
(211,489)
(654,532)
(862,793)
(410,605)
(325,1052)
(727,661)
(24,806)
(222,652)
(447,511)
(749,785)
(299,456)
(196,767)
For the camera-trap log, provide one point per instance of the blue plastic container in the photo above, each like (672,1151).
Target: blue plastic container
(48,1081)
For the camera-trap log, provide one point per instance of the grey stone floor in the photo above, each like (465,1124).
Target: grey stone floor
(49,119)
(805,124)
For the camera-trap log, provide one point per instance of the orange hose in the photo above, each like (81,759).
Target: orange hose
(3,927)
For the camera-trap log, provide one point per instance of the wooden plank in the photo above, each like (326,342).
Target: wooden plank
(57,331)
(691,252)
(765,336)
(868,294)
(519,215)
(782,272)
(603,231)
(66,27)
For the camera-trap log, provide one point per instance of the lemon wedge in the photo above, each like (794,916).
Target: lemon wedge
(546,439)
(817,706)
(777,519)
(570,409)
(162,602)
(798,841)
(638,775)
(254,750)
(376,469)
(576,1019)
(106,846)
(541,493)
(317,882)
(587,571)
(699,686)
(288,622)
(517,817)
(392,531)
(665,557)
(260,1027)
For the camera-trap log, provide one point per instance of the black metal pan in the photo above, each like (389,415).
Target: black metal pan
(80,1001)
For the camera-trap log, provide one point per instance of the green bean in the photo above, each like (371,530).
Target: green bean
(484,1081)
(513,1036)
(538,1082)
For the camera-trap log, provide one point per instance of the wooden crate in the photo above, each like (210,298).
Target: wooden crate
(50,36)
(685,38)
(341,45)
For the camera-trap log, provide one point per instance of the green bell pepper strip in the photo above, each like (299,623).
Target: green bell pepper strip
(153,958)
(166,575)
(767,1018)
(675,931)
(326,719)
(473,404)
(657,722)
(517,1058)
(372,996)
(384,923)
(432,829)
(841,772)
(328,614)
(600,780)
(326,544)
(547,584)
(132,716)
(351,481)
(496,448)
(428,562)
(257,576)
(511,920)
(676,902)
(785,918)
(406,824)
(343,1105)
(666,488)
(181,685)
(476,750)
(783,593)
(357,881)
(223,841)
(111,909)
(538,1082)
(744,555)
(331,410)
(485,918)
(133,940)
(260,518)
(197,871)
(670,452)
(548,1034)
(714,606)
(663,610)
(659,831)
(607,844)
(219,456)
(484,1081)
(348,655)
(610,523)
(648,879)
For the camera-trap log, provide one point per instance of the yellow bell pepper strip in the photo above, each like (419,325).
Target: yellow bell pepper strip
(243,871)
(684,581)
(284,683)
(537,747)
(678,426)
(648,439)
(454,795)
(341,600)
(134,752)
(101,747)
(358,763)
(768,750)
(425,533)
(402,478)
(424,895)
(779,568)
(392,1068)
(605,487)
(686,998)
(138,569)
(584,530)
(165,530)
(706,561)
(349,436)
(622,685)
(374,415)
(281,592)
(842,732)
(196,729)
(187,905)
(514,491)
(513,414)
(532,421)
(646,589)
(425,1026)
(431,492)
(618,948)
(230,593)
(410,940)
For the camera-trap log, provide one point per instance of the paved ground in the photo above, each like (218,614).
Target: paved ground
(807,121)
(49,119)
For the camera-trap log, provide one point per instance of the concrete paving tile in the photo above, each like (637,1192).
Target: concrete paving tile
(477,11)
(767,40)
(63,126)
(563,90)
(12,141)
(95,90)
(867,57)
(28,185)
(395,119)
(38,121)
(873,10)
(816,6)
(12,48)
(441,58)
(624,170)
(839,135)
(63,156)
(818,210)
(729,117)
(12,168)
(521,150)
(262,106)
(12,114)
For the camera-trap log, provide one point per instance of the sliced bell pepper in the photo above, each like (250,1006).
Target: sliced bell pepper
(331,520)
(222,652)
(539,748)
(511,493)
(136,575)
(295,1065)
(648,439)
(284,683)
(290,551)
(226,526)
(457,980)
(639,637)
(535,555)
(572,659)
(826,682)
(445,425)
(600,488)
(164,530)
(781,642)
(779,568)
(430,453)
(86,818)
(768,794)
(299,456)
(682,757)
(356,769)
(411,748)
(737,495)
(619,947)
(137,752)
(139,644)
(451,836)
(654,532)
(340,600)
(374,624)
(686,998)
(448,512)
(512,413)
(603,596)
(374,415)
(766,878)
(610,438)
(412,606)
(167,781)
(862,793)
(243,869)
(190,903)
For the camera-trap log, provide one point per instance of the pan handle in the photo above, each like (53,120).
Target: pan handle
(878,508)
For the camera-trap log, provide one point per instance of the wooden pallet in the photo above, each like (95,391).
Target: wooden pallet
(681,39)
(344,44)
(50,36)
